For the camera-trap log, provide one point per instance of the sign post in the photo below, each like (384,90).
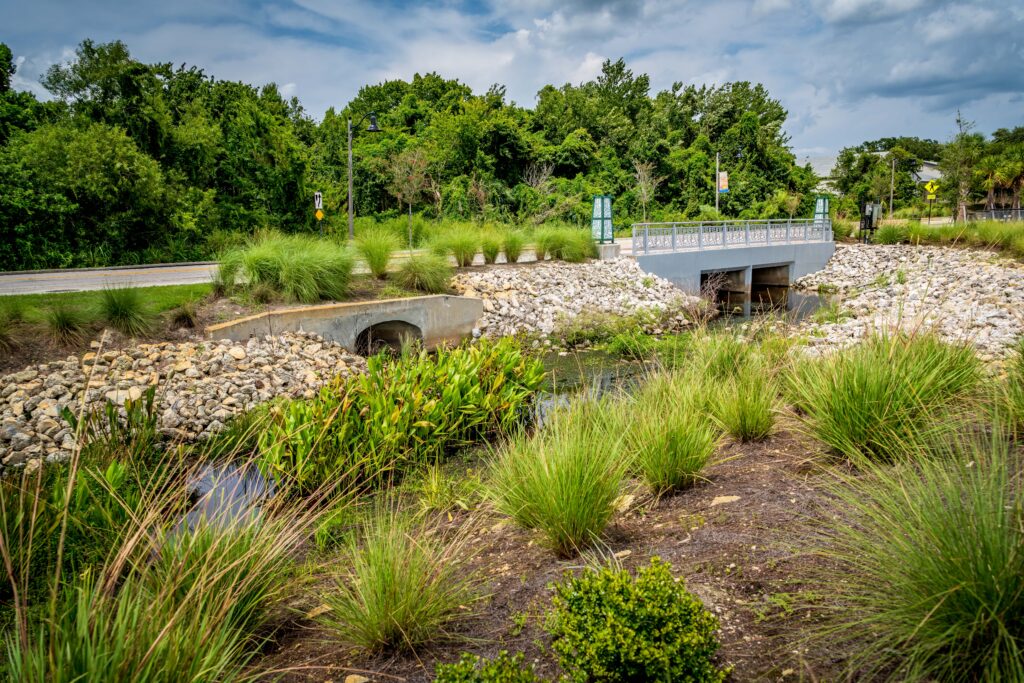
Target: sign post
(601,227)
(931,186)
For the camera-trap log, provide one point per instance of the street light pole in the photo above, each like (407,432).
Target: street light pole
(373,128)
(351,211)
(892,181)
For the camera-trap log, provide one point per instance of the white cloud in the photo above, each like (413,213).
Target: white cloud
(847,70)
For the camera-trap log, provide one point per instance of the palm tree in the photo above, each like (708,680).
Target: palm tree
(988,169)
(1012,169)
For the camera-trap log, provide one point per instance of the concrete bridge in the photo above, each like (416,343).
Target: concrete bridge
(365,326)
(734,257)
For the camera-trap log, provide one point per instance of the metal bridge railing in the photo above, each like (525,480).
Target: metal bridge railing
(697,236)
(996,215)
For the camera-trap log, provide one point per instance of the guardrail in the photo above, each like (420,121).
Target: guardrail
(697,236)
(997,215)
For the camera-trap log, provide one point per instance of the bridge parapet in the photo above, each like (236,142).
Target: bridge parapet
(700,235)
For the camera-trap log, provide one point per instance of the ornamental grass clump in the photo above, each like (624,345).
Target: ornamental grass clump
(302,268)
(744,404)
(669,438)
(513,246)
(1015,391)
(578,246)
(65,324)
(403,585)
(609,626)
(376,246)
(564,480)
(123,309)
(462,243)
(891,234)
(490,247)
(890,396)
(925,567)
(424,272)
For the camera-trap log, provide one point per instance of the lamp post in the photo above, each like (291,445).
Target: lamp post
(372,128)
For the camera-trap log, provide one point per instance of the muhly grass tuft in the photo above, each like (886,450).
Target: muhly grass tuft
(65,324)
(376,246)
(403,585)
(124,310)
(925,567)
(669,437)
(744,404)
(513,246)
(886,397)
(462,244)
(563,480)
(490,247)
(302,268)
(424,272)
(178,598)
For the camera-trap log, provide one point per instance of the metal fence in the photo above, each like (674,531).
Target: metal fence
(696,236)
(997,215)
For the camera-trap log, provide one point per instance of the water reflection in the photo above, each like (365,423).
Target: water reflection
(228,493)
(765,299)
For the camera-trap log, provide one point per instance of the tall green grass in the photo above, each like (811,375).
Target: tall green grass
(124,310)
(462,244)
(745,404)
(376,247)
(66,325)
(424,272)
(1014,388)
(887,396)
(925,568)
(563,480)
(302,268)
(513,246)
(669,437)
(403,585)
(490,247)
(563,243)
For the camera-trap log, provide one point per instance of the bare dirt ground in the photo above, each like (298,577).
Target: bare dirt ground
(734,538)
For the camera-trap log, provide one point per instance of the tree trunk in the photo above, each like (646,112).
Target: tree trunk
(990,199)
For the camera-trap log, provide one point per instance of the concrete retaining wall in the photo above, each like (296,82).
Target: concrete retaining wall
(684,268)
(440,319)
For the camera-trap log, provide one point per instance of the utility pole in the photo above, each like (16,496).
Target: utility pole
(717,182)
(892,181)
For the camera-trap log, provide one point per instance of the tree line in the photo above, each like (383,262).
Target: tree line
(978,172)
(131,162)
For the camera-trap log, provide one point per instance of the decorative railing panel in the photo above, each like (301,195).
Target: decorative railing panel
(697,236)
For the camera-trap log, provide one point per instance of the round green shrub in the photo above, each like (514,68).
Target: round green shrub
(504,668)
(608,626)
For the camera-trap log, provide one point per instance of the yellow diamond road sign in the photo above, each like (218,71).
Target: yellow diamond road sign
(319,214)
(931,186)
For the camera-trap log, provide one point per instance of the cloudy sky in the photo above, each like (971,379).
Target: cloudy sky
(847,70)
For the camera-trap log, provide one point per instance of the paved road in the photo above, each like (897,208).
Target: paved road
(87,279)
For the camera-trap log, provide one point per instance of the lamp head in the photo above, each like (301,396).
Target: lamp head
(373,127)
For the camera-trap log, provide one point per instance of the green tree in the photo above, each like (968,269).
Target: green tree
(959,159)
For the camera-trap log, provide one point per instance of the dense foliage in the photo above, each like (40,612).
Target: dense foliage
(610,626)
(412,409)
(977,173)
(165,163)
